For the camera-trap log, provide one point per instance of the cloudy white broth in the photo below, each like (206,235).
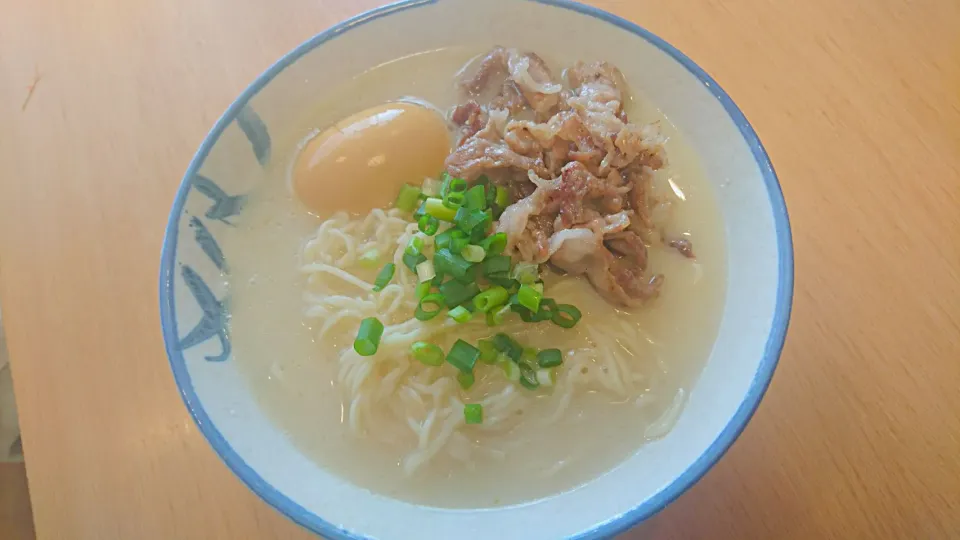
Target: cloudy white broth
(480,435)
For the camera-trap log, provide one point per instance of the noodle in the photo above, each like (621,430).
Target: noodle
(389,388)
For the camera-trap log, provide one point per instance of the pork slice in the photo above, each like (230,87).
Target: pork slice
(479,155)
(630,246)
(529,74)
(471,118)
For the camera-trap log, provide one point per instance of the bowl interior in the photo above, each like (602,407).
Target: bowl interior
(255,130)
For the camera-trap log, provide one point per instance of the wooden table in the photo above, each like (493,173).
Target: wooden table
(858,103)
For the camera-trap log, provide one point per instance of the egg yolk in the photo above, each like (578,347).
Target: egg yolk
(361,162)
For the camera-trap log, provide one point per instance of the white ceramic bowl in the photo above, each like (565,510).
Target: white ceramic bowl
(231,160)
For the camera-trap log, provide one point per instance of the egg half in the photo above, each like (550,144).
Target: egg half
(361,162)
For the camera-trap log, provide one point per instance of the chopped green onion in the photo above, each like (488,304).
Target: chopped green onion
(546,377)
(495,243)
(502,198)
(452,185)
(460,314)
(526,273)
(528,377)
(384,277)
(496,317)
(511,370)
(508,345)
(368,337)
(488,351)
(566,316)
(525,314)
(476,198)
(529,298)
(454,200)
(428,224)
(414,246)
(459,242)
(496,264)
(427,353)
(473,253)
(438,279)
(503,281)
(473,413)
(430,187)
(529,357)
(450,263)
(549,358)
(455,293)
(538,286)
(370,259)
(435,301)
(425,271)
(463,356)
(408,199)
(437,209)
(490,299)
(442,240)
(411,261)
(467,220)
(545,313)
(466,380)
(423,289)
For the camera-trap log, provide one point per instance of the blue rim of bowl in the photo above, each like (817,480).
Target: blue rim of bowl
(607,529)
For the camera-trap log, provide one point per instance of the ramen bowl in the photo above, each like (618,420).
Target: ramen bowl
(250,137)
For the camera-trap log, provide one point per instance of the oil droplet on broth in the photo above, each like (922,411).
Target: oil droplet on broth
(361,162)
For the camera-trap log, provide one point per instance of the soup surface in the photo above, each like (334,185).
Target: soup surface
(295,375)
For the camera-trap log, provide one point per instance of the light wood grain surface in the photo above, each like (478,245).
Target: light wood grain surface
(858,103)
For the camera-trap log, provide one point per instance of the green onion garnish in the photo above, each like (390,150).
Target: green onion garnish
(370,259)
(427,353)
(454,200)
(384,277)
(467,219)
(502,198)
(455,293)
(414,246)
(476,198)
(488,351)
(411,261)
(428,224)
(566,316)
(473,413)
(528,377)
(466,380)
(423,289)
(526,273)
(508,346)
(442,240)
(546,377)
(547,307)
(460,314)
(409,198)
(495,243)
(511,370)
(425,271)
(452,185)
(529,298)
(549,358)
(473,253)
(495,317)
(463,356)
(435,207)
(429,307)
(450,263)
(496,264)
(459,241)
(368,337)
(490,299)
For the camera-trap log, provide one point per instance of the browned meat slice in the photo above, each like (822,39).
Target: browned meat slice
(470,117)
(684,246)
(527,71)
(619,280)
(599,83)
(479,155)
(630,246)
(509,98)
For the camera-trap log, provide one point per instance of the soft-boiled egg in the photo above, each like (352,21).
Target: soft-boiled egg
(361,162)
